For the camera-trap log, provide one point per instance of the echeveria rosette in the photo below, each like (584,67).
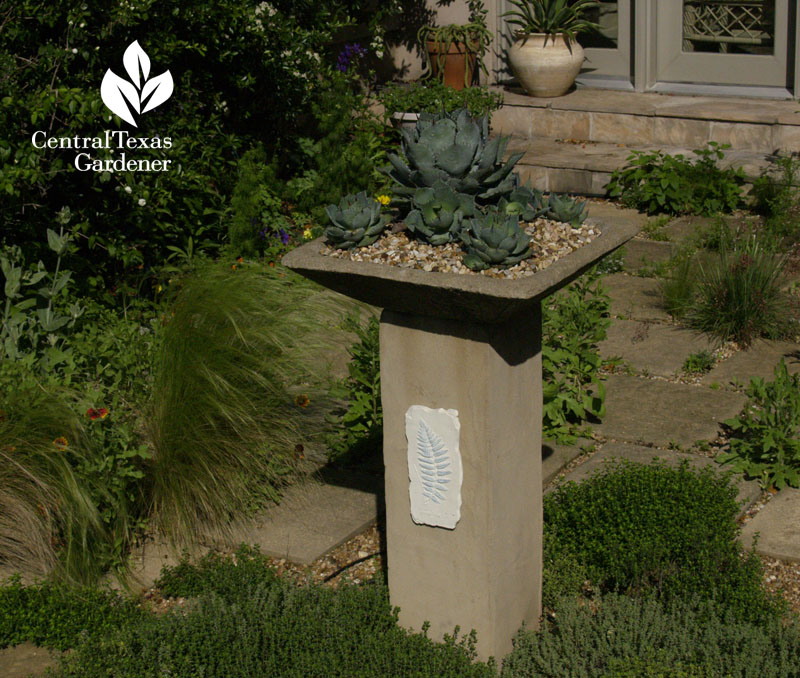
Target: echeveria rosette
(494,239)
(566,210)
(438,214)
(355,222)
(455,149)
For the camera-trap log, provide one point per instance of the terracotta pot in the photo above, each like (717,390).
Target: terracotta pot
(459,63)
(545,70)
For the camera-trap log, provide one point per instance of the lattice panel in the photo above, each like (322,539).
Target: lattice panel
(746,21)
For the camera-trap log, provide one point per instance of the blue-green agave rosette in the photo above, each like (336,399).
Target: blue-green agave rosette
(438,213)
(494,239)
(355,222)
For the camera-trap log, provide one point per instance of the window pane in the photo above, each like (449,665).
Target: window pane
(729,26)
(607,16)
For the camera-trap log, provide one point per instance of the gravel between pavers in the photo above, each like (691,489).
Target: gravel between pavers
(550,241)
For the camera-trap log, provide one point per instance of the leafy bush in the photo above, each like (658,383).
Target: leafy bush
(248,622)
(739,295)
(652,529)
(434,97)
(658,183)
(698,363)
(765,438)
(574,322)
(628,637)
(775,195)
(360,427)
(231,380)
(59,616)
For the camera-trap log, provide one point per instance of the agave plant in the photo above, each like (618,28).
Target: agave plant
(455,149)
(494,239)
(438,213)
(566,209)
(524,201)
(355,222)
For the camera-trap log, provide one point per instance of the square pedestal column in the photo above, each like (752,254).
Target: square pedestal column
(486,573)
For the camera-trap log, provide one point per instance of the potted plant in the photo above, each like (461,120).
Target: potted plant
(403,103)
(455,51)
(546,57)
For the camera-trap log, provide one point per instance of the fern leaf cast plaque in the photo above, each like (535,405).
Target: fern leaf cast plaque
(435,472)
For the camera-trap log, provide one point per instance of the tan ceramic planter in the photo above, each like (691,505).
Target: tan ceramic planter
(545,70)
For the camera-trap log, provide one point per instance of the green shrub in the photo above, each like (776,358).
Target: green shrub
(698,363)
(574,322)
(739,295)
(247,622)
(360,427)
(765,438)
(59,616)
(655,530)
(434,97)
(775,195)
(619,636)
(658,183)
(232,378)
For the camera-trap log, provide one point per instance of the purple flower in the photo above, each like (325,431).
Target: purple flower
(284,236)
(348,54)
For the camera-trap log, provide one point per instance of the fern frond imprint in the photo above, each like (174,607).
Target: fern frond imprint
(433,460)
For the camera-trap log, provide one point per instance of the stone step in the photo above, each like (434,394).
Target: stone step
(748,490)
(664,414)
(777,526)
(635,298)
(554,165)
(634,119)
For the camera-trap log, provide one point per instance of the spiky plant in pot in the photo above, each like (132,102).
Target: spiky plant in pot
(494,239)
(455,149)
(438,214)
(355,222)
(566,209)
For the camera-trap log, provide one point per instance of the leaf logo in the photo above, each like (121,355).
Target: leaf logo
(432,461)
(141,93)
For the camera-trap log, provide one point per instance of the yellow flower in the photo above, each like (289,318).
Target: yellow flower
(302,400)
(384,199)
(61,443)
(307,234)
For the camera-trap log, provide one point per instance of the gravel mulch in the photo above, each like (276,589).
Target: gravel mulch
(550,241)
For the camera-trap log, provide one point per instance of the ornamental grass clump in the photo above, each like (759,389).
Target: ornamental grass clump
(739,295)
(236,351)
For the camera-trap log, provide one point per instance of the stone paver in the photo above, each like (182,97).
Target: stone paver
(778,525)
(315,517)
(555,457)
(748,490)
(758,361)
(635,298)
(641,253)
(661,413)
(25,661)
(652,348)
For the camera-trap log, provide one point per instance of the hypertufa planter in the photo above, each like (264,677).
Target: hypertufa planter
(461,381)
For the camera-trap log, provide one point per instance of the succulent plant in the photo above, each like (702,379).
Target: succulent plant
(355,222)
(566,209)
(494,239)
(455,149)
(438,213)
(524,201)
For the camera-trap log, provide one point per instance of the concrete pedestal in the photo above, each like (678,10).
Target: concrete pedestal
(486,573)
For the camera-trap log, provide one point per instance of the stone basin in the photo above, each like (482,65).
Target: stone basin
(479,298)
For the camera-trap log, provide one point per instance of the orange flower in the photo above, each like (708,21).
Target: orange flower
(61,443)
(302,400)
(10,448)
(239,260)
(233,267)
(100,413)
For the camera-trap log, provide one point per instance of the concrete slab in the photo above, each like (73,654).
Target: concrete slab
(652,348)
(778,527)
(641,253)
(635,298)
(748,490)
(555,457)
(26,661)
(758,361)
(662,413)
(315,517)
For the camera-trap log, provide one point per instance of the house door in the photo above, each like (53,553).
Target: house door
(609,50)
(735,43)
